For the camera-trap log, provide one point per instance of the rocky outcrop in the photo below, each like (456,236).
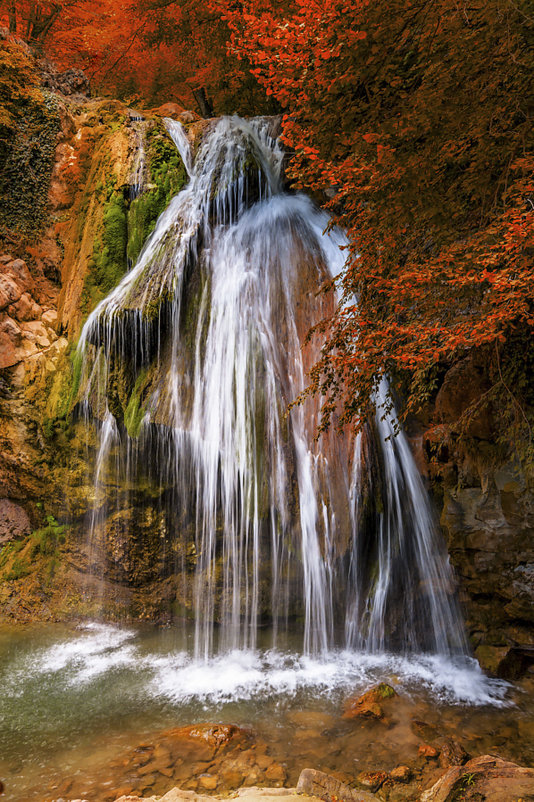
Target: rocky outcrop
(26,327)
(484,778)
(486,505)
(71,82)
(14,521)
(66,223)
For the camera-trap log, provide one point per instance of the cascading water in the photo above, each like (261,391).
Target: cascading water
(139,164)
(189,367)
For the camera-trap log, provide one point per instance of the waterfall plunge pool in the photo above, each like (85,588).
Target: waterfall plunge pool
(76,701)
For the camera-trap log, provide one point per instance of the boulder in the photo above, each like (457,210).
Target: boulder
(452,754)
(10,341)
(483,778)
(24,309)
(317,783)
(10,291)
(371,780)
(214,736)
(428,752)
(401,774)
(368,705)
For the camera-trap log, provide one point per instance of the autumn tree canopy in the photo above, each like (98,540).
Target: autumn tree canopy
(148,51)
(417,116)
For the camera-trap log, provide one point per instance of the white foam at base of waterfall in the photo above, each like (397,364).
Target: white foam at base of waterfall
(96,651)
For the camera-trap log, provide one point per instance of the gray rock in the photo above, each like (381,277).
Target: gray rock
(317,783)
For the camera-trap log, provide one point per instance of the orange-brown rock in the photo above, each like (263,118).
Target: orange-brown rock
(214,736)
(371,780)
(24,309)
(484,779)
(428,752)
(369,704)
(401,774)
(208,781)
(276,773)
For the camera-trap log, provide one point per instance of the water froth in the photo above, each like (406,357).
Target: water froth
(98,651)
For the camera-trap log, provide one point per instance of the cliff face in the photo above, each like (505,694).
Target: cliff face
(70,222)
(484,495)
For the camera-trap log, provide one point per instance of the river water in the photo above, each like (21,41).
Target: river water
(77,700)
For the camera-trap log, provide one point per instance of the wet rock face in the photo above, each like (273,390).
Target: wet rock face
(486,506)
(14,521)
(489,535)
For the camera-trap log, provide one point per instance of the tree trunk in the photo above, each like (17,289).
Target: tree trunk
(12,13)
(203,102)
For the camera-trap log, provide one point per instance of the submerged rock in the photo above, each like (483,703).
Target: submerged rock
(428,752)
(371,780)
(368,705)
(317,783)
(401,774)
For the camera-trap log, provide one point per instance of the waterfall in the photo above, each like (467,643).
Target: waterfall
(189,366)
(139,163)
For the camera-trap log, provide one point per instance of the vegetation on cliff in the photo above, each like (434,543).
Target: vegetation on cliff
(29,123)
(167,175)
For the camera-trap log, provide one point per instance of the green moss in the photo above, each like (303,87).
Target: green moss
(167,177)
(19,568)
(108,263)
(384,691)
(36,553)
(61,392)
(134,412)
(77,368)
(46,541)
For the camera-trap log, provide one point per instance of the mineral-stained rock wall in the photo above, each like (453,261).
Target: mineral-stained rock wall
(68,222)
(484,495)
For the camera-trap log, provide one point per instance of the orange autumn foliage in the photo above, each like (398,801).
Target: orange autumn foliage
(148,51)
(417,117)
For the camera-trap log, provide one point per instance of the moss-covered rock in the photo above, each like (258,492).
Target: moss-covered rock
(166,177)
(29,124)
